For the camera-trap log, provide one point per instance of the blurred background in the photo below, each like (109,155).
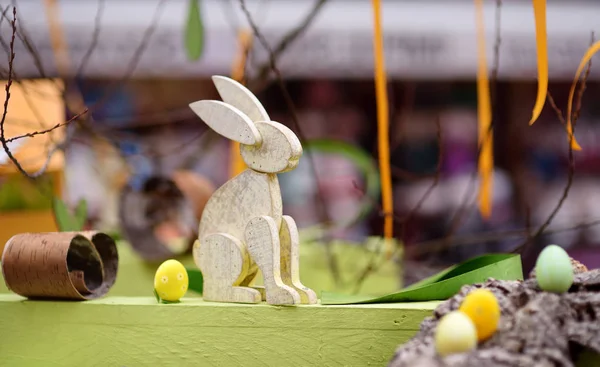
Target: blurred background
(133,64)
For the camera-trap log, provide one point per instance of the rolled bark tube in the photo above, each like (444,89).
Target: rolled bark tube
(60,265)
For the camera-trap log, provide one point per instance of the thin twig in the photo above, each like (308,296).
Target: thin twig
(95,36)
(468,202)
(323,214)
(24,38)
(3,140)
(135,59)
(11,58)
(571,168)
(478,238)
(41,132)
(436,177)
(264,70)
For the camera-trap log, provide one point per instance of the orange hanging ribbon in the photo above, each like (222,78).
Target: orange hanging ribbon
(486,155)
(541,39)
(589,53)
(383,127)
(238,70)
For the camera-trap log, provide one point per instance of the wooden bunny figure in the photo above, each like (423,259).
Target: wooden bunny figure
(243,228)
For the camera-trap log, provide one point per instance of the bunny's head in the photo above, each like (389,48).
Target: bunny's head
(266,146)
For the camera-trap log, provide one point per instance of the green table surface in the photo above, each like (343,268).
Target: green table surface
(137,331)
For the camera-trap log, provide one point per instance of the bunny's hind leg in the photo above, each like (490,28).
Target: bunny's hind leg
(290,260)
(262,239)
(224,262)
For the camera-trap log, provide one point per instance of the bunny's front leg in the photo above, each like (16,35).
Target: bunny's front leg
(290,260)
(262,240)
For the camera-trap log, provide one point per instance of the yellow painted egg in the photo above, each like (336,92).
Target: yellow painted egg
(171,281)
(455,333)
(553,270)
(481,306)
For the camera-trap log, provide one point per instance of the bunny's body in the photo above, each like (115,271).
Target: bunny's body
(265,199)
(243,228)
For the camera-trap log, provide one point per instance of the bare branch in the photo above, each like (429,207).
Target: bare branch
(95,36)
(264,70)
(137,55)
(468,202)
(59,125)
(436,177)
(571,170)
(478,238)
(11,58)
(3,140)
(323,214)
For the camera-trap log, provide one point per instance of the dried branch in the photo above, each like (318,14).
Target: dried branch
(95,36)
(468,202)
(478,238)
(11,59)
(322,210)
(41,132)
(29,46)
(24,38)
(263,71)
(436,177)
(571,168)
(133,63)
(3,140)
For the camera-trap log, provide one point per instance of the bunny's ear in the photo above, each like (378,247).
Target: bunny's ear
(240,97)
(227,121)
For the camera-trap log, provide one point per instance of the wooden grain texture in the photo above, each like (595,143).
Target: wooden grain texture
(279,152)
(139,332)
(219,251)
(235,94)
(240,226)
(41,265)
(227,121)
(262,240)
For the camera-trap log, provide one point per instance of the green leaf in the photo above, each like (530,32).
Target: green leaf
(444,284)
(156,295)
(362,160)
(81,214)
(196,280)
(194,32)
(159,300)
(64,219)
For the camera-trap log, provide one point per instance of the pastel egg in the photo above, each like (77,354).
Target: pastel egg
(171,280)
(455,333)
(553,270)
(482,307)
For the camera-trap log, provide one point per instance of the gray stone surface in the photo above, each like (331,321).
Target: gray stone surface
(536,328)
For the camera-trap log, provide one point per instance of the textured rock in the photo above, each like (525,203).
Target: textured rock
(536,328)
